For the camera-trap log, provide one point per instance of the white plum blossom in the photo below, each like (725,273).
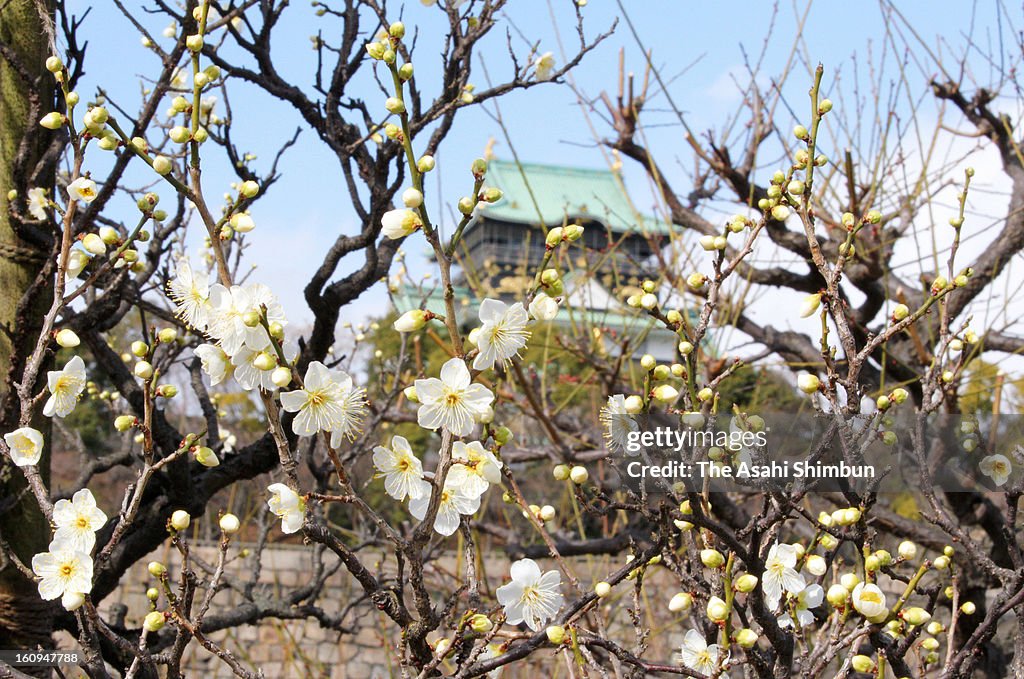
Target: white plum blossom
(38,203)
(25,446)
(215,362)
(456,501)
(65,387)
(618,423)
(399,223)
(287,505)
(809,597)
(869,600)
(780,574)
(353,401)
(452,401)
(482,467)
(62,570)
(401,469)
(997,467)
(190,292)
(325,403)
(83,189)
(502,334)
(77,261)
(698,655)
(544,64)
(543,308)
(77,521)
(532,597)
(230,307)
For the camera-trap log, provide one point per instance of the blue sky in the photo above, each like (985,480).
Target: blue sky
(308,207)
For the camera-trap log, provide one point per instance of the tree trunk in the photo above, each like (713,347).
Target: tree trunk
(25,620)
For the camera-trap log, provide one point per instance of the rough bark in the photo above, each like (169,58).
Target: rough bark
(25,85)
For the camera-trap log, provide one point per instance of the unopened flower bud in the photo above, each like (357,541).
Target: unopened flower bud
(837,595)
(156,569)
(862,663)
(681,602)
(746,638)
(968,608)
(394,105)
(712,558)
(412,198)
(745,583)
(554,237)
(230,524)
(281,377)
(167,391)
(916,615)
(93,244)
(167,335)
(478,168)
(72,601)
(143,370)
(481,624)
(808,383)
(665,393)
(696,280)
(123,423)
(425,163)
(411,320)
(810,305)
(560,472)
(634,404)
(162,165)
(67,338)
(556,634)
(154,621)
(579,475)
(717,609)
(602,589)
(179,134)
(180,520)
(52,120)
(205,456)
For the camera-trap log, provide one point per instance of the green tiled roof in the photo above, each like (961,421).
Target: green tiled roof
(552,193)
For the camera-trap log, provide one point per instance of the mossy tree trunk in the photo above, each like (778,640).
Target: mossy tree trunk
(25,620)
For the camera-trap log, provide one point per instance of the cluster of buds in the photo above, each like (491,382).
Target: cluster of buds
(383,49)
(576,474)
(647,299)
